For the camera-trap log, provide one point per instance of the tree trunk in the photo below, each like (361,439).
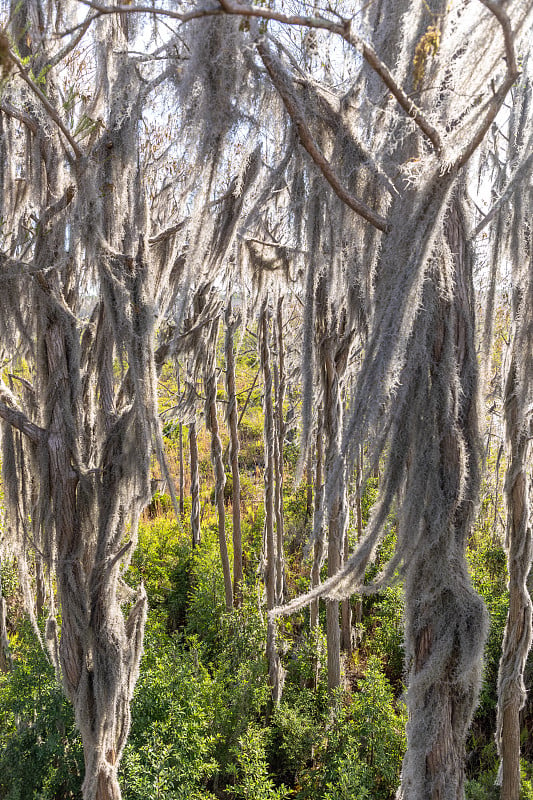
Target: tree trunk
(232,418)
(514,235)
(180,447)
(210,383)
(358,605)
(346,610)
(99,650)
(336,504)
(333,632)
(279,391)
(318,522)
(359,494)
(309,486)
(181,487)
(195,485)
(107,787)
(6,662)
(40,586)
(275,670)
(518,630)
(445,619)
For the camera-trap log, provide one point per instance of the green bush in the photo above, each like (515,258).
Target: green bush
(295,729)
(40,750)
(169,751)
(385,635)
(252,781)
(162,546)
(240,687)
(362,752)
(206,601)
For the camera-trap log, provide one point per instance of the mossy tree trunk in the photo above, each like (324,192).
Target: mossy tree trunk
(280,386)
(275,669)
(93,441)
(334,343)
(518,630)
(232,322)
(446,622)
(518,633)
(210,385)
(512,239)
(195,484)
(318,520)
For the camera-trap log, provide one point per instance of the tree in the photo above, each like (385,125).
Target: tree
(232,321)
(195,484)
(362,179)
(279,438)
(514,242)
(272,562)
(210,384)
(88,436)
(416,391)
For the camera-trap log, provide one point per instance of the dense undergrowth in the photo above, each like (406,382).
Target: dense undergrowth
(202,721)
(203,724)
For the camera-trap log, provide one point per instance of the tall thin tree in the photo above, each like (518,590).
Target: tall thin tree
(232,322)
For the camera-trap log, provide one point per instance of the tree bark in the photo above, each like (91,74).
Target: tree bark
(195,485)
(40,586)
(99,650)
(231,324)
(180,449)
(275,669)
(519,543)
(512,240)
(92,473)
(336,501)
(181,487)
(346,609)
(318,522)
(446,622)
(333,632)
(210,383)
(279,438)
(309,486)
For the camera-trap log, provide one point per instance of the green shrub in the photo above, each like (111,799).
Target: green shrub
(293,733)
(40,750)
(169,751)
(206,601)
(252,781)
(161,547)
(240,686)
(362,752)
(386,625)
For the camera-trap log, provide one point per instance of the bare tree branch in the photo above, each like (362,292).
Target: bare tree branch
(167,233)
(52,112)
(161,12)
(505,22)
(495,103)
(281,82)
(318,22)
(61,54)
(514,183)
(410,108)
(368,53)
(21,116)
(61,204)
(10,413)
